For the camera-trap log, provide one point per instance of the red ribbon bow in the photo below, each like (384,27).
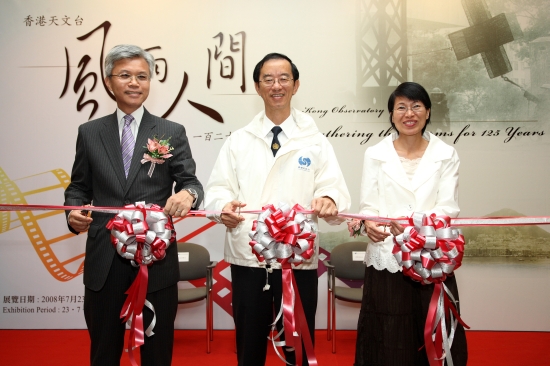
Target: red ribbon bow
(429,250)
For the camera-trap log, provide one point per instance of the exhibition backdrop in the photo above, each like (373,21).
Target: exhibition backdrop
(485,63)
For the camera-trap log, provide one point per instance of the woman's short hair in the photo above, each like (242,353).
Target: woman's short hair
(412,91)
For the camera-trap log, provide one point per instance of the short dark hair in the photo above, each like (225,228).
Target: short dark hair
(412,91)
(274,56)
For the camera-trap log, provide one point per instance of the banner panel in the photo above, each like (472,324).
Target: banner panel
(486,69)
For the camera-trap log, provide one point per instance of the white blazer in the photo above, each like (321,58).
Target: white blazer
(387,191)
(305,168)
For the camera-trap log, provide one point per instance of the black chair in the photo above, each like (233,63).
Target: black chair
(342,265)
(196,266)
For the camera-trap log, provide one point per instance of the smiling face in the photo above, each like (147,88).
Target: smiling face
(276,97)
(409,117)
(129,94)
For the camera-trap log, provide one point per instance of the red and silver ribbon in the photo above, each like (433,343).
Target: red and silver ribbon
(284,235)
(429,250)
(141,236)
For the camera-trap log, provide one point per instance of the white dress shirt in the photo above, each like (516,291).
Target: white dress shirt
(288,127)
(134,126)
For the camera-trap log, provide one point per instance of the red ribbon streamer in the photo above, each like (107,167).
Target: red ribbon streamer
(133,307)
(135,229)
(295,323)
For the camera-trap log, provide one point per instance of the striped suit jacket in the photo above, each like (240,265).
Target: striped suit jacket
(98,176)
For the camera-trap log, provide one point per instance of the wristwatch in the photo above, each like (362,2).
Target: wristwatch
(193,193)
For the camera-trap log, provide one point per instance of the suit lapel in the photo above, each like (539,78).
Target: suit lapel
(392,166)
(145,132)
(394,170)
(111,141)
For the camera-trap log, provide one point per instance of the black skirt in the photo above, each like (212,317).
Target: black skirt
(390,330)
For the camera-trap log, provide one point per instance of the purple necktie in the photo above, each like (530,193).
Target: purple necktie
(127,142)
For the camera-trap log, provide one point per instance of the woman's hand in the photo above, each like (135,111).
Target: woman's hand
(375,232)
(396,228)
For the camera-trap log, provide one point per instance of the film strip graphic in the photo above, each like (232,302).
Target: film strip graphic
(36,224)
(20,191)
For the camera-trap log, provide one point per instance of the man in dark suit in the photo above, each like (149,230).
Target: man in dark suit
(107,171)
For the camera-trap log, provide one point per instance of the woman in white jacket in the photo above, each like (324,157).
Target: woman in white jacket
(410,171)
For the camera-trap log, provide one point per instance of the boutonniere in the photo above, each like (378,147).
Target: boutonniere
(157,152)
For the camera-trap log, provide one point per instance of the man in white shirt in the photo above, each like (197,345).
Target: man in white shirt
(279,157)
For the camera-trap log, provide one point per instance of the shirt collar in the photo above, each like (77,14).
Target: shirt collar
(288,126)
(137,114)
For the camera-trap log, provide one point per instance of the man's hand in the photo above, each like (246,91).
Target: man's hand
(324,207)
(179,204)
(79,220)
(229,218)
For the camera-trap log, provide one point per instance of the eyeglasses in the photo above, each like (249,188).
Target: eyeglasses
(283,81)
(141,78)
(416,108)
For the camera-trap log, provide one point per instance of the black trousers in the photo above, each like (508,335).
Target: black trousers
(254,310)
(102,313)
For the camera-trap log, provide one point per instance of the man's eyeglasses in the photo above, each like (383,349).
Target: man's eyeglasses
(416,108)
(283,81)
(141,78)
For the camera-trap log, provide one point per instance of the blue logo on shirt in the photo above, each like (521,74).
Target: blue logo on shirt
(304,161)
